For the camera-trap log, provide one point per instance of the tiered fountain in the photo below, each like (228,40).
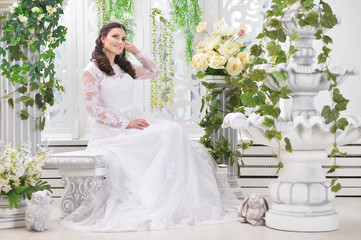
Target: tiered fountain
(301,195)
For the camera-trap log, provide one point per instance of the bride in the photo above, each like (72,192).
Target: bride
(156,178)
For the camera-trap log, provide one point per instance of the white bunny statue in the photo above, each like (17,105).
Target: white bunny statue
(253,209)
(38,211)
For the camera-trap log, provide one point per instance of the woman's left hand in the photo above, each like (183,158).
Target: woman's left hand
(130,47)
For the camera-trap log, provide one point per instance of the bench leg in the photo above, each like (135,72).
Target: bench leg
(77,189)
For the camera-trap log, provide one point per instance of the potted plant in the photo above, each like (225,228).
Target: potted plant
(20,172)
(221,61)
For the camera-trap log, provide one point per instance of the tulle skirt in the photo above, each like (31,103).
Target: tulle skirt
(156,179)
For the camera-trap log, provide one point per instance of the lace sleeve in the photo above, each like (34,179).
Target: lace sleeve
(149,69)
(91,94)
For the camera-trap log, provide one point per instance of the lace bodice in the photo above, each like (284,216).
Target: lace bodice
(106,97)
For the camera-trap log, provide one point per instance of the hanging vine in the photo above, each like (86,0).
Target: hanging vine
(30,37)
(186,16)
(121,10)
(162,89)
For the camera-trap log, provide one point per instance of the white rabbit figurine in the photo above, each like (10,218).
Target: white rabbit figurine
(253,209)
(38,211)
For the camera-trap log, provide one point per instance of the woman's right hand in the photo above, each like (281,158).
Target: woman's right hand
(138,123)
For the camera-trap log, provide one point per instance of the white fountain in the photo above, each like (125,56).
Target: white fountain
(301,195)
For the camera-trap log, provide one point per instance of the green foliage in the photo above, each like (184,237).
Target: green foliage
(25,192)
(31,34)
(186,16)
(162,89)
(119,10)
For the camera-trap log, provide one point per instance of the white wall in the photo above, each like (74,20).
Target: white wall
(346,49)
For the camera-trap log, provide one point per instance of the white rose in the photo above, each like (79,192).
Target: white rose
(199,46)
(199,62)
(211,53)
(213,42)
(23,19)
(32,30)
(228,49)
(15,5)
(35,9)
(219,23)
(40,16)
(234,66)
(217,62)
(243,57)
(226,31)
(202,26)
(242,32)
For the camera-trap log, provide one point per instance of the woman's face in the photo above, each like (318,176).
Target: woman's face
(114,42)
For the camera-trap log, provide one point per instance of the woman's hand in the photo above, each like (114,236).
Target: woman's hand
(130,47)
(138,123)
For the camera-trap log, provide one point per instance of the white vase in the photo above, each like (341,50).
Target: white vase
(12,218)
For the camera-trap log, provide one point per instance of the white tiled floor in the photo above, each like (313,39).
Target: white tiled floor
(349,210)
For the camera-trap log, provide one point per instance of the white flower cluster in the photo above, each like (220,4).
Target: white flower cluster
(221,50)
(19,167)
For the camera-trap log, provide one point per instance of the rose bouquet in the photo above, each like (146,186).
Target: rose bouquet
(20,171)
(221,53)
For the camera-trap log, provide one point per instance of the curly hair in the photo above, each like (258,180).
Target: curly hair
(102,61)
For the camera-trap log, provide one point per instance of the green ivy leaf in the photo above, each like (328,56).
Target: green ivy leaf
(326,50)
(329,114)
(318,34)
(312,18)
(322,58)
(326,39)
(257,75)
(336,187)
(288,145)
(28,101)
(341,102)
(22,89)
(273,48)
(11,102)
(268,122)
(294,36)
(247,100)
(307,4)
(42,123)
(342,123)
(291,2)
(284,92)
(24,114)
(256,50)
(328,20)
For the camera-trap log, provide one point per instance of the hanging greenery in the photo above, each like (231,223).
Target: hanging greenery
(121,10)
(31,35)
(186,16)
(162,90)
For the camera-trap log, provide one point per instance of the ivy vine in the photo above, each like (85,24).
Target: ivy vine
(162,89)
(186,15)
(307,15)
(121,10)
(31,35)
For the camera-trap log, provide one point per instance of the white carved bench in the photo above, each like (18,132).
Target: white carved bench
(81,173)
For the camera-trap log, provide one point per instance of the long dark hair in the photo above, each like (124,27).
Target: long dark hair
(102,61)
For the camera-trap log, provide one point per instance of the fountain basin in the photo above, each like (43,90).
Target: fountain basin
(305,78)
(304,133)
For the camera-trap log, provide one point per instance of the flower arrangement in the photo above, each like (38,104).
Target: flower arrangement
(20,171)
(221,53)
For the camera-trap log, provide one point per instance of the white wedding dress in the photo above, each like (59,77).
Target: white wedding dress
(156,178)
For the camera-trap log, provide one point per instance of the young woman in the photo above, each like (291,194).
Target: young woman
(156,178)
